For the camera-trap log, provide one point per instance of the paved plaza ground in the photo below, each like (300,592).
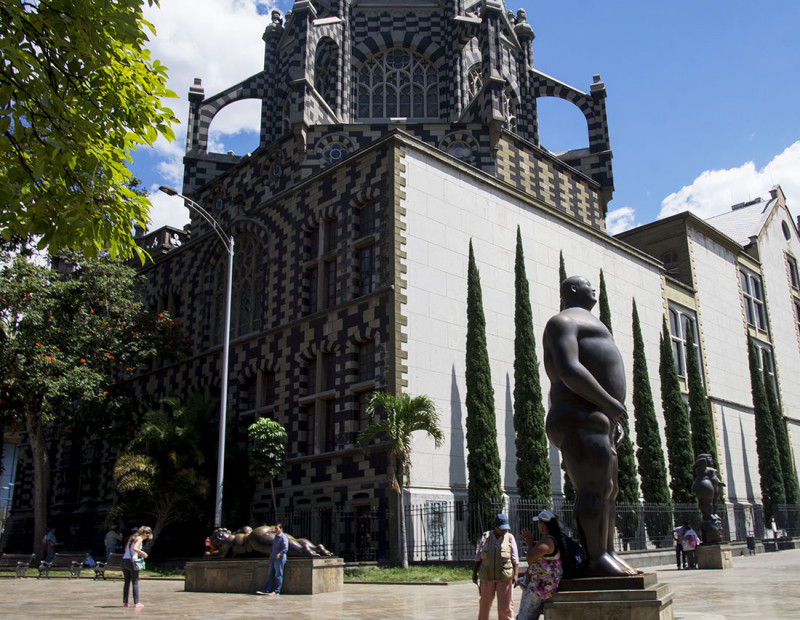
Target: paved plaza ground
(765,586)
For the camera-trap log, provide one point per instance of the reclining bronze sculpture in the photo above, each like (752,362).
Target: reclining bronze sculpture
(258,541)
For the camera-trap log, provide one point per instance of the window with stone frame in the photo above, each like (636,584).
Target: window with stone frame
(681,322)
(397,83)
(794,279)
(766,364)
(797,313)
(364,249)
(325,70)
(753,294)
(474,81)
(247,290)
(321,275)
(319,404)
(509,110)
(366,361)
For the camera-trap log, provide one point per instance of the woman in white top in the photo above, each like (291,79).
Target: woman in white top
(133,549)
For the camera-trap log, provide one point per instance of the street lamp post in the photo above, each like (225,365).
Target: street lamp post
(227,241)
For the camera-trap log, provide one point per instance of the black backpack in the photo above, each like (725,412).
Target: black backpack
(574,557)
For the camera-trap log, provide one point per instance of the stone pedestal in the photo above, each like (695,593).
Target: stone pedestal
(639,597)
(300,575)
(714,556)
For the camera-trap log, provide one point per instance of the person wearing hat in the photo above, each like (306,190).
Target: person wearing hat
(545,567)
(497,566)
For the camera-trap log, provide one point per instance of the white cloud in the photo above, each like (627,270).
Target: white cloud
(619,220)
(714,191)
(166,210)
(220,42)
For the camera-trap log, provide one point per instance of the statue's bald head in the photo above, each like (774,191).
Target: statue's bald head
(578,291)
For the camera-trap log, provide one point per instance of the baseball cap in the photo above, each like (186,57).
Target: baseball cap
(501,522)
(545,516)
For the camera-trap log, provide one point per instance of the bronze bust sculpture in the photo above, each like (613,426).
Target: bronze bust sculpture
(585,419)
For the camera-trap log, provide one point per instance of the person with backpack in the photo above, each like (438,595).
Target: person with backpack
(690,541)
(545,567)
(497,565)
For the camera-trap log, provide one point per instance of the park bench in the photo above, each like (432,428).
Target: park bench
(114,563)
(72,562)
(18,562)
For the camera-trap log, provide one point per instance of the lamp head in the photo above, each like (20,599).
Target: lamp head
(169,191)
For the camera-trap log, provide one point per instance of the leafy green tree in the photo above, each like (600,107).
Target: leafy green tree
(397,418)
(676,425)
(533,463)
(159,475)
(267,452)
(67,344)
(699,414)
(769,466)
(483,458)
(80,92)
(562,275)
(650,454)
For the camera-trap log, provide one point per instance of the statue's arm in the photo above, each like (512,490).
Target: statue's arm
(561,335)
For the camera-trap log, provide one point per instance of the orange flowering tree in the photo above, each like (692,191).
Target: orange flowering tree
(69,341)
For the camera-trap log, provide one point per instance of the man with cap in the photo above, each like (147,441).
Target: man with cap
(497,566)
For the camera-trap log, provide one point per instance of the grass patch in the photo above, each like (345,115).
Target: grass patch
(441,574)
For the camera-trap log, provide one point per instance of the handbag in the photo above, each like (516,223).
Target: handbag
(138,563)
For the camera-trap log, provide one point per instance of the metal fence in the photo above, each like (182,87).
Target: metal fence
(440,530)
(359,534)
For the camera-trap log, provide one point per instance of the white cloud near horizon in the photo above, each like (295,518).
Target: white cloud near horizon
(715,191)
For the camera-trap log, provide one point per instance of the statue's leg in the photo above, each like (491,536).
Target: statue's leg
(612,517)
(590,461)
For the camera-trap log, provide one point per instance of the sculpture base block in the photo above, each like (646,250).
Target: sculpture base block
(714,556)
(639,597)
(300,575)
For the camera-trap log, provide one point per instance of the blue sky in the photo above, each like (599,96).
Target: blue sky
(703,96)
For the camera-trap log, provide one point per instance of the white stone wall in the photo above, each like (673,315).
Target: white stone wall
(445,209)
(721,319)
(738,456)
(772,247)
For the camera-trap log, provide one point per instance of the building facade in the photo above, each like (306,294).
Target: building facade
(392,135)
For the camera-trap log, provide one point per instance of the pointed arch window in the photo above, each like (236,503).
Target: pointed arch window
(398,83)
(509,111)
(247,303)
(474,81)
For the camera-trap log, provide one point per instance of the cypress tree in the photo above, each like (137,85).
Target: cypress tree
(533,463)
(676,425)
(627,479)
(605,310)
(483,458)
(699,414)
(782,441)
(769,466)
(569,488)
(650,454)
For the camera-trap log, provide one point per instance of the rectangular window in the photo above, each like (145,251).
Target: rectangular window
(330,371)
(366,270)
(310,435)
(366,361)
(330,283)
(330,235)
(794,280)
(367,219)
(330,426)
(767,366)
(755,312)
(681,322)
(313,240)
(797,313)
(312,276)
(363,403)
(311,376)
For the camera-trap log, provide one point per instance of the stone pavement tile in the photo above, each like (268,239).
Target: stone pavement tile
(763,586)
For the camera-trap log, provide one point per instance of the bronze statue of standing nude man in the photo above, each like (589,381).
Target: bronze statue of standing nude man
(585,419)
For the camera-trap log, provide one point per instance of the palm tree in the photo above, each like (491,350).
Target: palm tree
(160,472)
(397,417)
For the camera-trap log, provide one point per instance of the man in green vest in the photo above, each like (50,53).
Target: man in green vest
(497,566)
